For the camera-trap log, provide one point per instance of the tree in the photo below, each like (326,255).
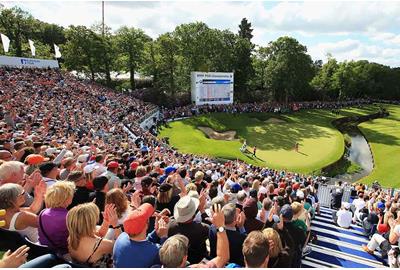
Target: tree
(322,82)
(260,62)
(168,62)
(81,50)
(19,26)
(289,69)
(245,30)
(105,50)
(243,66)
(131,43)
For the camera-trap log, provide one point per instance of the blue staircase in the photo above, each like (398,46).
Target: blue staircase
(337,247)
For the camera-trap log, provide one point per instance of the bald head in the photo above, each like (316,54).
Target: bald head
(5,155)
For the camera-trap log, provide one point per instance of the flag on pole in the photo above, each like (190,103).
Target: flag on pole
(33,49)
(57,51)
(6,42)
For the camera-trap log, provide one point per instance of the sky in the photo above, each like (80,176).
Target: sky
(348,30)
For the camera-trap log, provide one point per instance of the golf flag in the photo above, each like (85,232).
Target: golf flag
(6,42)
(33,49)
(57,51)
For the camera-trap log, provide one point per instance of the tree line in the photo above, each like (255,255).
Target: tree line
(280,71)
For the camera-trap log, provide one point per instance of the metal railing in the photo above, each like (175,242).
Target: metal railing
(324,194)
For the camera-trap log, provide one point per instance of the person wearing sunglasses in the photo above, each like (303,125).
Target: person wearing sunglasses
(20,219)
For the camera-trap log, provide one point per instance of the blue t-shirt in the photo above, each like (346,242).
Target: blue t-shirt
(129,253)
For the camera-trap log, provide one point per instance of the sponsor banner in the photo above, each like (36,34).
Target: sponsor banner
(22,62)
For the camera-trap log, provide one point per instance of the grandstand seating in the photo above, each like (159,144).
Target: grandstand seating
(339,247)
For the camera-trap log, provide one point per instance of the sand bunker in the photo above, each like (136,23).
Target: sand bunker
(225,136)
(274,121)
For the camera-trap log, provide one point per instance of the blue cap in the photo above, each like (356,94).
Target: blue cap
(169,170)
(235,188)
(380,205)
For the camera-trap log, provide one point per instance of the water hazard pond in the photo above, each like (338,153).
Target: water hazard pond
(357,150)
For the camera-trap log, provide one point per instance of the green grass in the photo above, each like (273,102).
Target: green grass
(343,166)
(320,143)
(383,136)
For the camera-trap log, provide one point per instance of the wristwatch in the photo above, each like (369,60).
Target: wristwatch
(221,229)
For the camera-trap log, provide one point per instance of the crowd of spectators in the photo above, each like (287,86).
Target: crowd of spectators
(191,110)
(72,180)
(378,212)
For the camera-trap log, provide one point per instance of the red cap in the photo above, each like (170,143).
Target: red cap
(134,165)
(296,186)
(34,159)
(112,165)
(282,185)
(138,219)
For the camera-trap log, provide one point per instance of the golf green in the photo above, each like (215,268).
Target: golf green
(320,144)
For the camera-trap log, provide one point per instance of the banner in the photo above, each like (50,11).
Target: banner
(33,49)
(6,42)
(57,51)
(22,62)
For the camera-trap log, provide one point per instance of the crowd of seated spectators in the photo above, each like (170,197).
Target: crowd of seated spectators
(72,182)
(377,211)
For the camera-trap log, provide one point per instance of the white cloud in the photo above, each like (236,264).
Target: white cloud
(379,21)
(350,49)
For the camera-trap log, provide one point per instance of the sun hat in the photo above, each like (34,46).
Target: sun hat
(193,194)
(185,208)
(138,219)
(51,151)
(83,158)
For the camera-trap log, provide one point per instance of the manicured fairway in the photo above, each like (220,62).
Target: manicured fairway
(383,136)
(320,143)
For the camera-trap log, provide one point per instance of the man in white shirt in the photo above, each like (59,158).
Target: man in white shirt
(344,216)
(359,204)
